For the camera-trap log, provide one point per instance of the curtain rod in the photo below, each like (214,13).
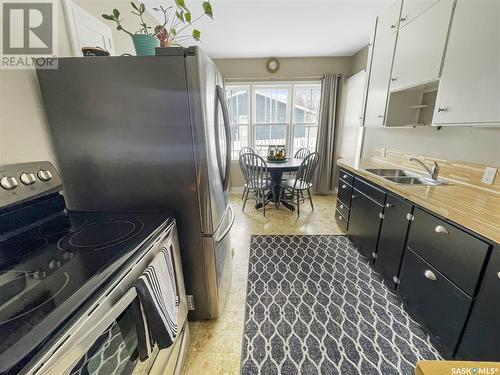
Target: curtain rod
(274,78)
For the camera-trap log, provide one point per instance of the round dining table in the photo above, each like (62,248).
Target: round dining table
(276,169)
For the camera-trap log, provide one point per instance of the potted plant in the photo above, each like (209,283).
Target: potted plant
(177,21)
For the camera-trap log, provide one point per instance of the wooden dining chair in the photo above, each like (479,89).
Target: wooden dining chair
(302,153)
(258,178)
(244,150)
(301,183)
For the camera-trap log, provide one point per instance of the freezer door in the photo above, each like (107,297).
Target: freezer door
(211,138)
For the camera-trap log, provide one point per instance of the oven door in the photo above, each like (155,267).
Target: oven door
(110,347)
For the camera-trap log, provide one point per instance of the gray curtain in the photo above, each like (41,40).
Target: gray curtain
(328,132)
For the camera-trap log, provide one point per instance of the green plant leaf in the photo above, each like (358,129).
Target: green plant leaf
(108,17)
(116,13)
(180,15)
(187,16)
(134,6)
(142,8)
(180,3)
(207,8)
(196,34)
(173,32)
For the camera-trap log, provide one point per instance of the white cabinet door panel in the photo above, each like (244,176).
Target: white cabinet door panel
(378,87)
(413,8)
(420,47)
(388,21)
(469,89)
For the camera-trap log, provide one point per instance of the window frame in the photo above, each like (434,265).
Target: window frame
(292,86)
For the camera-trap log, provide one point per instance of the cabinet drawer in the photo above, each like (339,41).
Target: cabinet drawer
(346,177)
(343,209)
(369,190)
(344,193)
(455,253)
(341,221)
(435,302)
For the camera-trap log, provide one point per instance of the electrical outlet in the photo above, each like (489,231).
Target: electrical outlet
(489,175)
(383,152)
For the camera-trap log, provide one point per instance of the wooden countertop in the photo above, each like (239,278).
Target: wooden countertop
(472,207)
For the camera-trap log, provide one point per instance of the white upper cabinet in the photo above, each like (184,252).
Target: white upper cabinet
(413,8)
(469,89)
(378,85)
(420,45)
(388,21)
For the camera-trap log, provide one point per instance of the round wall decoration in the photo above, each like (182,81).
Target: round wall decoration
(273,65)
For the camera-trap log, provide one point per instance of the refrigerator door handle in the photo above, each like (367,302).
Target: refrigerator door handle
(219,238)
(227,126)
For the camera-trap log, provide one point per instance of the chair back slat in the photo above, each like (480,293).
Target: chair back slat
(307,168)
(246,150)
(302,153)
(255,170)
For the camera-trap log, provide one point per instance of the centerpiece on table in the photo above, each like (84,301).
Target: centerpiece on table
(276,154)
(177,22)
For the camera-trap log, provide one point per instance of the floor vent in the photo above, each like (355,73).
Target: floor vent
(190,301)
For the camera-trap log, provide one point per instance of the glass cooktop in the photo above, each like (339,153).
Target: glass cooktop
(50,268)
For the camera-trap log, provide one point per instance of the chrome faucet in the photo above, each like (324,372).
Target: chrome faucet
(433,173)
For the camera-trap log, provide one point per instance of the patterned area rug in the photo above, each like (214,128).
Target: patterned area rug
(315,306)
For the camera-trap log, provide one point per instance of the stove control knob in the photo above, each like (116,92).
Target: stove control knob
(44,175)
(8,183)
(54,264)
(28,178)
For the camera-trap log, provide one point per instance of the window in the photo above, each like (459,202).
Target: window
(274,114)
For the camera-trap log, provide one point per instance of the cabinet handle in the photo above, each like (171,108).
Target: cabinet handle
(341,207)
(441,230)
(394,79)
(442,109)
(344,186)
(389,205)
(430,275)
(498,274)
(380,116)
(403,19)
(354,196)
(344,176)
(393,26)
(340,218)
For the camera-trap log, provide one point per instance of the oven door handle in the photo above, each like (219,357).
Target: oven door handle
(71,357)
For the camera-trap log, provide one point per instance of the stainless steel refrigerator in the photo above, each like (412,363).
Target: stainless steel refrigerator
(150,133)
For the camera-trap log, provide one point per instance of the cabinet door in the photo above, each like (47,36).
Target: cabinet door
(392,236)
(412,9)
(388,21)
(420,47)
(378,86)
(433,300)
(481,340)
(364,223)
(469,89)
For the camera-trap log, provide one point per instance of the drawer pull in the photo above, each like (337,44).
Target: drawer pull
(441,230)
(341,206)
(389,205)
(344,186)
(340,217)
(354,196)
(344,176)
(430,275)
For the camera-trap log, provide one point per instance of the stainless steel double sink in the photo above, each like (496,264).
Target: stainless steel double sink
(400,176)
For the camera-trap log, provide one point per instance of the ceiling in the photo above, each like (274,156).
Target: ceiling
(284,28)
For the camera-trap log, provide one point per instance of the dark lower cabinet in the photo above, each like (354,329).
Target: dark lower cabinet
(433,301)
(364,223)
(392,238)
(481,339)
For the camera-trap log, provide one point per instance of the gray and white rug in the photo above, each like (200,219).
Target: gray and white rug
(315,306)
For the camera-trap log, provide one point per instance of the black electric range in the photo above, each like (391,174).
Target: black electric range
(53,260)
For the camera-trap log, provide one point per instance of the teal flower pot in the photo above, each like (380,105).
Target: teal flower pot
(145,44)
